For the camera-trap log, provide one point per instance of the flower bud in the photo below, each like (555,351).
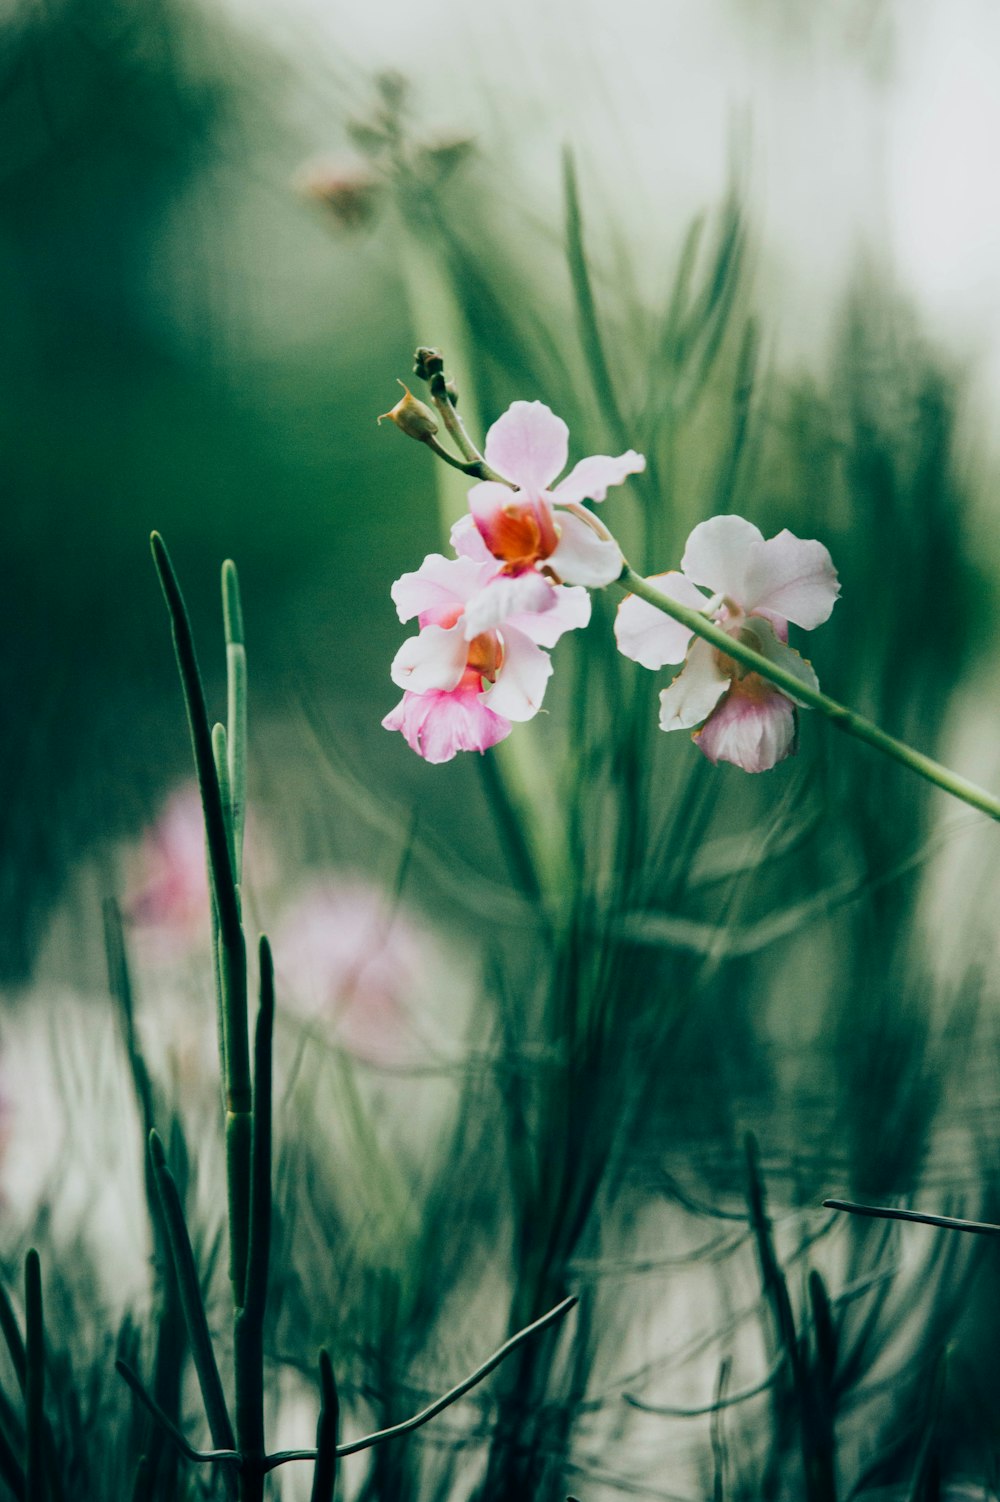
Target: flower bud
(412,417)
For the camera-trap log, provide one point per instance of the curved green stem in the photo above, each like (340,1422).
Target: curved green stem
(844,718)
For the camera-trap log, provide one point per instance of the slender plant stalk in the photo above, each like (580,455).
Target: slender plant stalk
(249,1327)
(34,1391)
(195,1318)
(131,1380)
(324,1482)
(845,719)
(918,1217)
(231,948)
(236,727)
(395,1431)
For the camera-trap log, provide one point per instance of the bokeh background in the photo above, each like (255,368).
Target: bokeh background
(536,1001)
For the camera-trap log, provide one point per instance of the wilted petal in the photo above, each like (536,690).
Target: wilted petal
(519,689)
(695,691)
(506,596)
(581,557)
(762,636)
(754,727)
(435,659)
(436,725)
(791,578)
(529,445)
(570,610)
(467,540)
(647,635)
(718,554)
(589,480)
(438,583)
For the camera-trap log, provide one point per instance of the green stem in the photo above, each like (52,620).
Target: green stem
(34,1392)
(195,1318)
(249,1330)
(236,728)
(844,718)
(324,1482)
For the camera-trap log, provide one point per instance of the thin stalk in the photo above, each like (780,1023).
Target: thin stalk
(220,752)
(236,725)
(195,1318)
(439,1404)
(34,1391)
(324,1482)
(249,1329)
(944,1222)
(844,718)
(231,949)
(153,1408)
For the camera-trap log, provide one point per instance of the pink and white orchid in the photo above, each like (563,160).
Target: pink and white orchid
(758,586)
(477,663)
(529,446)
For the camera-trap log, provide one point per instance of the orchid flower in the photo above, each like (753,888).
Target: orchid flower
(477,664)
(529,446)
(758,586)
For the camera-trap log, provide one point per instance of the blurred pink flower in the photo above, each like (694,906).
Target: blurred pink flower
(477,663)
(529,446)
(758,588)
(169,889)
(348,959)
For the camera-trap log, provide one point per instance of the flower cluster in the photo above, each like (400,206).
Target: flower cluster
(523,552)
(479,662)
(758,587)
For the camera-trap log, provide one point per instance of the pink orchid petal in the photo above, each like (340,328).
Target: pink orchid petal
(791,578)
(717,555)
(437,725)
(581,557)
(435,659)
(529,444)
(436,585)
(570,611)
(506,596)
(467,541)
(519,689)
(647,635)
(695,691)
(754,727)
(762,636)
(589,480)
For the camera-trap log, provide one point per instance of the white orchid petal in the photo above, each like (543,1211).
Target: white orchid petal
(467,540)
(438,583)
(695,691)
(718,553)
(529,444)
(648,636)
(519,689)
(792,578)
(504,596)
(435,659)
(590,479)
(581,557)
(570,611)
